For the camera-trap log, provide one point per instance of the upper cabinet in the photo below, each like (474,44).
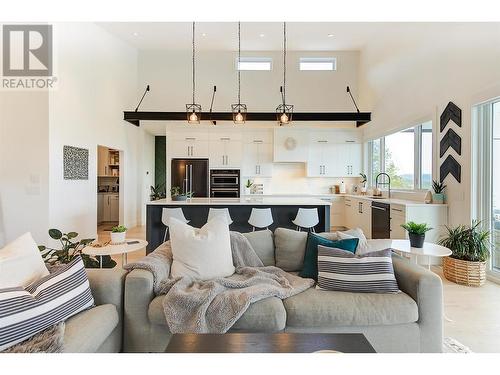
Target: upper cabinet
(334,153)
(290,145)
(257,154)
(188,144)
(225,150)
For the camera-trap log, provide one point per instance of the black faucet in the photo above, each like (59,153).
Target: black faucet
(384,183)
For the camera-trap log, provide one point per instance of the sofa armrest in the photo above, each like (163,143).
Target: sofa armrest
(426,288)
(107,286)
(138,295)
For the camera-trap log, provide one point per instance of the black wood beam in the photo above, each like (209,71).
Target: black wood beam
(360,118)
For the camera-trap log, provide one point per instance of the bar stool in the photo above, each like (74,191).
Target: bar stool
(213,212)
(260,218)
(306,218)
(167,214)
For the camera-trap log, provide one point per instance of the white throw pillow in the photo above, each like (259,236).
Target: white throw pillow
(203,253)
(21,263)
(363,247)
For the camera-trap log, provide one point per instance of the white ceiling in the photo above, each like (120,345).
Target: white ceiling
(256,36)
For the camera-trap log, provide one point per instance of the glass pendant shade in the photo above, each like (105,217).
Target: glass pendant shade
(239,113)
(193,112)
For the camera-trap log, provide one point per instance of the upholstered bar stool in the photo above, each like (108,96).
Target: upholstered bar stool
(306,218)
(260,218)
(213,212)
(168,213)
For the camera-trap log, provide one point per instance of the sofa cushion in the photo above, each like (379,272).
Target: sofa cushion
(310,268)
(290,246)
(266,315)
(315,308)
(87,331)
(263,243)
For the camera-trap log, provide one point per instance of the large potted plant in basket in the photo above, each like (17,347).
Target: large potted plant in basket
(470,247)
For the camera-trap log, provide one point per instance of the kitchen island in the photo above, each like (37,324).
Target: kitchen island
(196,210)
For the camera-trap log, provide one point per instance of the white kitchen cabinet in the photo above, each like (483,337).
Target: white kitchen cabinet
(189,147)
(398,218)
(225,153)
(257,159)
(349,212)
(110,207)
(348,159)
(290,145)
(337,213)
(321,161)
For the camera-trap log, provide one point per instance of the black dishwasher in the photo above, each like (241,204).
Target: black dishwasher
(381,220)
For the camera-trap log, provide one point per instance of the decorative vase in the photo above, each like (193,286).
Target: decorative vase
(438,198)
(248,190)
(416,240)
(117,238)
(464,272)
(428,197)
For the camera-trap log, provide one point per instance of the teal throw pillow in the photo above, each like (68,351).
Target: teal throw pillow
(310,269)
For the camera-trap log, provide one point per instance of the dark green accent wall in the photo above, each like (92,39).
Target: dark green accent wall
(160,161)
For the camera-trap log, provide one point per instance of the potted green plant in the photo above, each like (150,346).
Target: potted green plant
(70,249)
(118,234)
(157,192)
(176,195)
(438,195)
(470,249)
(416,232)
(248,187)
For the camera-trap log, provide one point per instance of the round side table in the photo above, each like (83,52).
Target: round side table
(130,245)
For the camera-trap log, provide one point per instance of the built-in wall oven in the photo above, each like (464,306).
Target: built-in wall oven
(225,183)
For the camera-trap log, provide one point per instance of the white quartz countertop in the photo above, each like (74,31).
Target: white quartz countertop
(403,202)
(247,201)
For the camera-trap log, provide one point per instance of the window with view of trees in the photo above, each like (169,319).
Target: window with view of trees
(406,156)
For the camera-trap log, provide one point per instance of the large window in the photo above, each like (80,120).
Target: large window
(406,156)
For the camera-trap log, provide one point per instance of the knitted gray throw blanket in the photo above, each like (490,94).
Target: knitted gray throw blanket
(213,306)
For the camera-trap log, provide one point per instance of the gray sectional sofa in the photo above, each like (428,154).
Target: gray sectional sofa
(410,321)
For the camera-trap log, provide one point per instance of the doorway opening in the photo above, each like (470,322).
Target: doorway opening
(108,189)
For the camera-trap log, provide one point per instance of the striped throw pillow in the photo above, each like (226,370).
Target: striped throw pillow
(27,311)
(368,273)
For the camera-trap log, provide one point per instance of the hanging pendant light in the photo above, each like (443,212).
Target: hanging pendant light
(239,110)
(193,110)
(284,111)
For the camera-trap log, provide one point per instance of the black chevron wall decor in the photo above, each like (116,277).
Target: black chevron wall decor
(451,112)
(450,165)
(450,139)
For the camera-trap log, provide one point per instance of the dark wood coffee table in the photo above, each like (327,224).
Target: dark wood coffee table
(269,343)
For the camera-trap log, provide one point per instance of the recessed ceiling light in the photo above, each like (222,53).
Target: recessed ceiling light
(203,34)
(330,35)
(262,35)
(135,34)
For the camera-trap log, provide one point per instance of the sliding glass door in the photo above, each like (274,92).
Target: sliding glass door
(495,193)
(486,174)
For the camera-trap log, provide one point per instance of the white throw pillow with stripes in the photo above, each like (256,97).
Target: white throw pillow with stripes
(54,298)
(341,270)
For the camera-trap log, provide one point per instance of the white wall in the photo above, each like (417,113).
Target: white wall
(409,82)
(97,81)
(169,74)
(24,154)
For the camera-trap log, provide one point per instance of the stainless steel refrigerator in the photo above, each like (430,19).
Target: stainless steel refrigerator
(191,175)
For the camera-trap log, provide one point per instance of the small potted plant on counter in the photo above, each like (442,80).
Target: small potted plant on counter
(118,234)
(438,196)
(176,195)
(248,187)
(416,232)
(470,249)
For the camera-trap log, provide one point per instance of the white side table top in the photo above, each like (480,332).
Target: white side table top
(429,249)
(116,249)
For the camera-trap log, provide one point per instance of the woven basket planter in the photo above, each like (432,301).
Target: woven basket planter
(464,272)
